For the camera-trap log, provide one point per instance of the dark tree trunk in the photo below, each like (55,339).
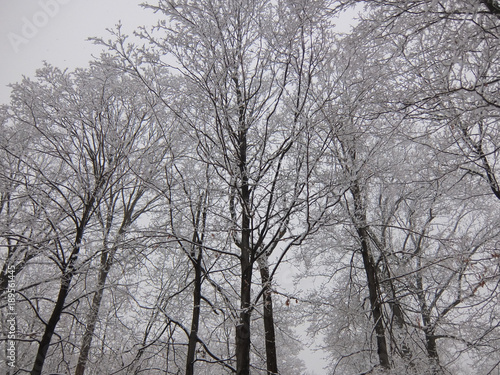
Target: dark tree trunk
(398,316)
(432,352)
(196,258)
(66,278)
(193,334)
(270,336)
(243,328)
(107,260)
(246,248)
(397,327)
(430,338)
(371,276)
(58,308)
(373,287)
(106,263)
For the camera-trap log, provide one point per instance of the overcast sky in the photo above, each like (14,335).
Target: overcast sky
(55,30)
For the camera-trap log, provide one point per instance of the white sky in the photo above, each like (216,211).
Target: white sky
(32,31)
(55,30)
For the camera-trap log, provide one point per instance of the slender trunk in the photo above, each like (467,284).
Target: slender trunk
(431,346)
(106,263)
(430,338)
(246,263)
(270,336)
(425,312)
(107,260)
(398,319)
(58,308)
(135,364)
(193,334)
(246,256)
(398,315)
(196,259)
(371,275)
(373,287)
(66,279)
(243,328)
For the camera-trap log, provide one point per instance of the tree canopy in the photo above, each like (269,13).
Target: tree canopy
(247,182)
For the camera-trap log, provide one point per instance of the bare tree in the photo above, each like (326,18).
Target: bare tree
(252,86)
(81,143)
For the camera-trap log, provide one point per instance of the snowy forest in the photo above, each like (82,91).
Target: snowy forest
(244,180)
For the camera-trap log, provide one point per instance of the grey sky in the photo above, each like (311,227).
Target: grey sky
(55,30)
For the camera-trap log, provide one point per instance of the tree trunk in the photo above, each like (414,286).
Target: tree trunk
(425,312)
(371,276)
(398,315)
(398,320)
(107,260)
(430,338)
(431,346)
(270,337)
(197,259)
(246,263)
(243,328)
(106,263)
(246,255)
(56,313)
(193,334)
(373,287)
(66,278)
